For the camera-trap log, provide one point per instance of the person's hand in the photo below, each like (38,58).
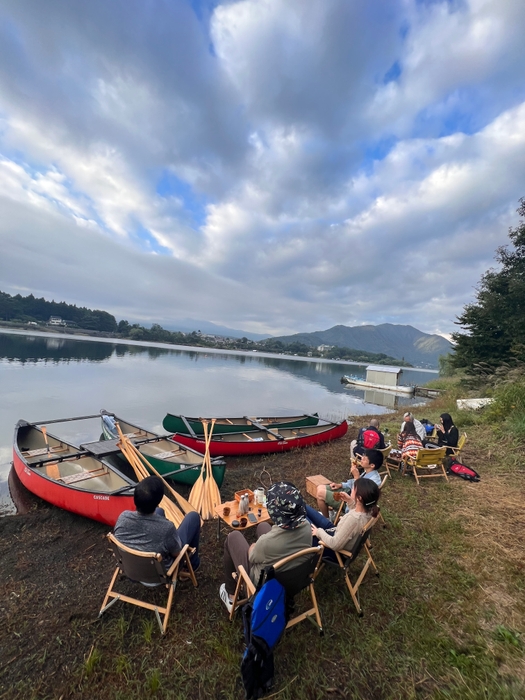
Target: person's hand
(355,471)
(439,427)
(346,498)
(314,531)
(335,486)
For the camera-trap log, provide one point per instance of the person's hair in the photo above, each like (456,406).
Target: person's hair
(447,421)
(374,423)
(148,494)
(408,417)
(368,491)
(375,457)
(410,429)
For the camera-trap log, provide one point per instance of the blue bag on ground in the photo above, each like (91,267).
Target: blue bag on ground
(264,623)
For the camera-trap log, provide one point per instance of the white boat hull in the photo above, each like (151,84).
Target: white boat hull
(361,383)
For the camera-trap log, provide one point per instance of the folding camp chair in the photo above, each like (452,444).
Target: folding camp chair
(456,451)
(429,459)
(294,579)
(146,568)
(345,558)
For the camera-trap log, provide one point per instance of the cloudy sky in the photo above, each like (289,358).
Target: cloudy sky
(274,166)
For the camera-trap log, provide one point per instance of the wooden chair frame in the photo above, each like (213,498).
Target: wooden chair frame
(244,582)
(456,451)
(345,559)
(431,458)
(155,570)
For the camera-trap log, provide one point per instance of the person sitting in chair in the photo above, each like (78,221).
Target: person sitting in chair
(371,461)
(408,441)
(368,438)
(447,433)
(148,530)
(289,534)
(420,428)
(364,497)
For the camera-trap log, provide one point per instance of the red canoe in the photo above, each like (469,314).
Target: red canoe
(266,441)
(69,478)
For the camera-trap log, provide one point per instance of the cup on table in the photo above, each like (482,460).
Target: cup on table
(243,522)
(226,511)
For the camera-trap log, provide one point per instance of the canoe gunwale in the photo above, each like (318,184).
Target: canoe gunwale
(102,505)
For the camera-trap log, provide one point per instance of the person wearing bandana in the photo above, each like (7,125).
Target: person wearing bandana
(289,533)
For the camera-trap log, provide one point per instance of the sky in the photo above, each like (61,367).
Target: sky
(275,166)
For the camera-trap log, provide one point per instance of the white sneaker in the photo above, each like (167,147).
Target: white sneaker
(224,596)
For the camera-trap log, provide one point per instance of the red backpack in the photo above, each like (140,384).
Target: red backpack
(370,439)
(463,471)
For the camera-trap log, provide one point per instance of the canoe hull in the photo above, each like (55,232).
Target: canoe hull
(103,505)
(176,424)
(252,447)
(96,506)
(189,476)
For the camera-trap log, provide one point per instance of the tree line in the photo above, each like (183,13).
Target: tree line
(19,309)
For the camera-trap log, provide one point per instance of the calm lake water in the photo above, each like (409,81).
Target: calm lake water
(46,377)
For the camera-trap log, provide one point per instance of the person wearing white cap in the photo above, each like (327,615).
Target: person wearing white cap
(420,428)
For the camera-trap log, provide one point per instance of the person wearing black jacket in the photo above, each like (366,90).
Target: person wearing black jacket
(447,433)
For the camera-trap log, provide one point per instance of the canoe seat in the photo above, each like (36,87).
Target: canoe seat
(83,475)
(166,455)
(43,451)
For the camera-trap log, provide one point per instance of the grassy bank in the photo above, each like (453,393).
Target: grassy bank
(445,618)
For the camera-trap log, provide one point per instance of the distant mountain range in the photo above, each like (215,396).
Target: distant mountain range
(187,325)
(402,342)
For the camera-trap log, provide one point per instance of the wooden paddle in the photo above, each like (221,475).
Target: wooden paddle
(200,496)
(44,433)
(197,492)
(174,511)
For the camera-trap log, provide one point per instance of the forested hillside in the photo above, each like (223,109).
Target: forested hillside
(25,309)
(402,342)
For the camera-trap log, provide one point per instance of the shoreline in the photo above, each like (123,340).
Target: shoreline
(192,348)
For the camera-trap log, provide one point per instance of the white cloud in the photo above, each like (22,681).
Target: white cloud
(308,188)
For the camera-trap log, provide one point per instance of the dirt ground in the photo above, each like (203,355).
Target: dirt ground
(56,567)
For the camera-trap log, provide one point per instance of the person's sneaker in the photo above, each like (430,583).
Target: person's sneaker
(223,595)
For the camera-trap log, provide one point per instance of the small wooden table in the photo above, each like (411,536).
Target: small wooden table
(234,506)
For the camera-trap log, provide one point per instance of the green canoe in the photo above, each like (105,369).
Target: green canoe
(168,457)
(246,424)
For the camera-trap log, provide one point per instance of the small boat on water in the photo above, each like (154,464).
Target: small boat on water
(266,441)
(170,458)
(193,426)
(69,477)
(362,384)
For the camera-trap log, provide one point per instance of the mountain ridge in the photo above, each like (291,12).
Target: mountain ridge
(400,341)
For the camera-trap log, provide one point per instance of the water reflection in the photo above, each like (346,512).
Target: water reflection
(44,378)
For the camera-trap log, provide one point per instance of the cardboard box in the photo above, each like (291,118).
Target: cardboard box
(312,482)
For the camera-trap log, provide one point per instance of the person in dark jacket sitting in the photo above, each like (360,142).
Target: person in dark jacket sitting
(447,433)
(148,530)
(358,447)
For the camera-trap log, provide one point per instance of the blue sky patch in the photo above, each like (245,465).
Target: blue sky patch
(194,205)
(147,242)
(392,73)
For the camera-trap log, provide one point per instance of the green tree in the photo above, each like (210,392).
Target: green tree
(495,323)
